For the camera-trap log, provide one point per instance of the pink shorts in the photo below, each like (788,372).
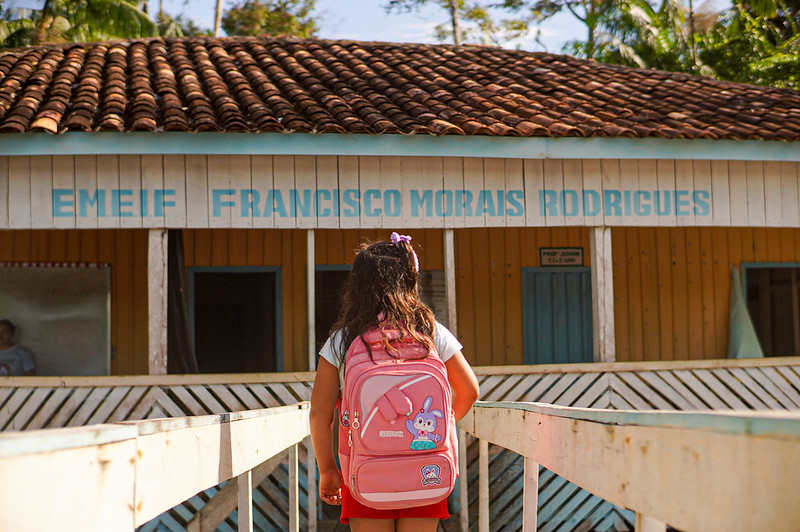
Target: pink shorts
(353,508)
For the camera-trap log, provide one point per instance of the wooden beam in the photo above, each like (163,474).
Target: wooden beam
(463,481)
(157,301)
(450,280)
(696,471)
(530,495)
(602,295)
(483,485)
(311,301)
(244,485)
(215,511)
(294,490)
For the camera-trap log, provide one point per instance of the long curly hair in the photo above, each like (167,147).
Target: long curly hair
(382,291)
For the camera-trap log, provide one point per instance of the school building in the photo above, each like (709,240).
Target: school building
(193,205)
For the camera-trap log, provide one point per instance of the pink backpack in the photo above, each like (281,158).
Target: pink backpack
(397,430)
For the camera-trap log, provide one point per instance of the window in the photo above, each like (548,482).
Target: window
(772,300)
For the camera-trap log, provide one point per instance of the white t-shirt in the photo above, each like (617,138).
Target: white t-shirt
(15,360)
(446,344)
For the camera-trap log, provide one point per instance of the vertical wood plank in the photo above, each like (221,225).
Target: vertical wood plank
(592,193)
(327,206)
(738,189)
(95,177)
(491,198)
(310,300)
(369,184)
(283,182)
(197,190)
(157,301)
(773,194)
(681,295)
(348,171)
(533,177)
(756,201)
(664,268)
(633,204)
(602,294)
(613,204)
(515,193)
(4,196)
(262,182)
(312,488)
(417,210)
(124,206)
(684,193)
(790,206)
(571,204)
(530,495)
(463,483)
(720,193)
(174,195)
(453,179)
(703,206)
(450,280)
(305,182)
(707,269)
(240,181)
(244,508)
(483,486)
(473,185)
(220,195)
(64,178)
(294,490)
(622,299)
(665,172)
(151,210)
(19,192)
(553,192)
(41,187)
(651,325)
(390,186)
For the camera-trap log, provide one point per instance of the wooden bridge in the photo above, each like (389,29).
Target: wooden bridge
(86,453)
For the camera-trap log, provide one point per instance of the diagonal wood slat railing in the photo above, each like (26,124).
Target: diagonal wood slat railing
(121,475)
(696,471)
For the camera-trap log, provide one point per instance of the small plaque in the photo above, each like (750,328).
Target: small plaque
(561,256)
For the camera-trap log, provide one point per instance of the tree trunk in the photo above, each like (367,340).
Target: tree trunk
(44,21)
(456,25)
(218,18)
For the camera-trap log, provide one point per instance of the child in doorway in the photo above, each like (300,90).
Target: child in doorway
(15,359)
(382,289)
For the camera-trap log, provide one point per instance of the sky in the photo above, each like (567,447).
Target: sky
(367,20)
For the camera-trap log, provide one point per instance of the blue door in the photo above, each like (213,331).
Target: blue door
(557,315)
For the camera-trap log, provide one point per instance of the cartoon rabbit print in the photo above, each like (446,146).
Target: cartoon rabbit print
(423,425)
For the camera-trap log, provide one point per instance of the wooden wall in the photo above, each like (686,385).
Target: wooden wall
(672,286)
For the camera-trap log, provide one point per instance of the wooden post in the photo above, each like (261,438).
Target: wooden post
(157,301)
(311,323)
(648,524)
(602,295)
(483,486)
(245,509)
(450,280)
(530,495)
(463,482)
(311,468)
(294,509)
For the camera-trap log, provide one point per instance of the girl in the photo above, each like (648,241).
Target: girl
(382,289)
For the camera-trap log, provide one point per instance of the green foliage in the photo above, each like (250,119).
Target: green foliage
(75,21)
(270,17)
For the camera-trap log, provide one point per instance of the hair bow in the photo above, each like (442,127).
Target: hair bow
(397,238)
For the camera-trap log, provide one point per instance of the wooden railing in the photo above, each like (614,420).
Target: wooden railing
(696,471)
(118,476)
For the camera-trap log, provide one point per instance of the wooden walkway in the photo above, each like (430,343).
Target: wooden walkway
(768,384)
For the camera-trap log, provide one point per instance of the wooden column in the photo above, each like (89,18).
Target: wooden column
(450,280)
(157,301)
(602,295)
(483,485)
(530,495)
(294,491)
(245,508)
(311,323)
(463,482)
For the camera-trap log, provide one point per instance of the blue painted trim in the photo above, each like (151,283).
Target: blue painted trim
(139,142)
(277,270)
(737,423)
(744,266)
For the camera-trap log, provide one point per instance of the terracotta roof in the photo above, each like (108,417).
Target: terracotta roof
(285,84)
